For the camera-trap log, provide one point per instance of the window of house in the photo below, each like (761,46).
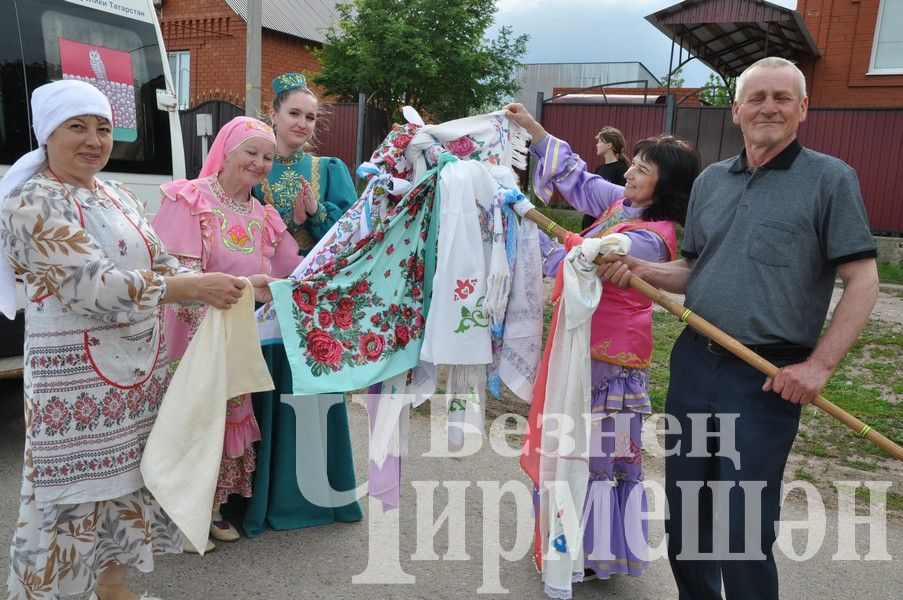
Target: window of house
(180,67)
(887,50)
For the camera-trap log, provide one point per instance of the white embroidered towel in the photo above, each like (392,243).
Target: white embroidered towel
(183,452)
(489,138)
(389,427)
(522,345)
(564,460)
(457,319)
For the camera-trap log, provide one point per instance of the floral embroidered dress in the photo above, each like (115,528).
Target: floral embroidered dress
(331,184)
(620,348)
(210,232)
(94,375)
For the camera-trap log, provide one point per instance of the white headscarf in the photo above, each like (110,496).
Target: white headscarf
(51,105)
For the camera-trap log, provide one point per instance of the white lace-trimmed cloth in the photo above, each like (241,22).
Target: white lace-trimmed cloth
(489,138)
(182,458)
(389,427)
(564,461)
(522,341)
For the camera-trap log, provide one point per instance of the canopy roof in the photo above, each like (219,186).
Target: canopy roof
(730,35)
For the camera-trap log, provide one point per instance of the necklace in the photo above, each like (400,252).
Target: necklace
(241,208)
(296,156)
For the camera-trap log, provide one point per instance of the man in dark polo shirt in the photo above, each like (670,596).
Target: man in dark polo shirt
(767,233)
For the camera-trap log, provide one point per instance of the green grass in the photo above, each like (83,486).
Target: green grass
(865,385)
(890,272)
(813,448)
(568,218)
(893,500)
(802,475)
(868,384)
(665,329)
(862,465)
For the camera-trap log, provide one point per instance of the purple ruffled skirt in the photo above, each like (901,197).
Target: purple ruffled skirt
(616,536)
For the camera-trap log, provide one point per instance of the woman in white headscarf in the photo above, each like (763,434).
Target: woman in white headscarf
(95,275)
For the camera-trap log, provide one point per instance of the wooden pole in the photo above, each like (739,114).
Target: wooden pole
(728,343)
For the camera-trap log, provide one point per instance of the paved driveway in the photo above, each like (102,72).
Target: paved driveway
(321,562)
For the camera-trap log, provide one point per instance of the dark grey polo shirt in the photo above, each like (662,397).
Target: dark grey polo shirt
(767,243)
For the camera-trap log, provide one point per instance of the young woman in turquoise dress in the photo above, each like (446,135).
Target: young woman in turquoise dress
(322,184)
(311,193)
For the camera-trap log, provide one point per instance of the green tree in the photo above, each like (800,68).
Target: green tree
(431,54)
(675,79)
(717,91)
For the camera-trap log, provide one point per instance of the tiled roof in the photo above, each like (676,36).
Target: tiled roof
(307,19)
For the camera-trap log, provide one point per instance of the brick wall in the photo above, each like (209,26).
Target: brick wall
(216,38)
(844,32)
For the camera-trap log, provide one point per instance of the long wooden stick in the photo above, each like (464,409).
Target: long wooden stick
(729,343)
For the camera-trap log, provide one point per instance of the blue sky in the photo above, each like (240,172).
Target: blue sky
(596,31)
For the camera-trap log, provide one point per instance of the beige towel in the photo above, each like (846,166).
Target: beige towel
(182,457)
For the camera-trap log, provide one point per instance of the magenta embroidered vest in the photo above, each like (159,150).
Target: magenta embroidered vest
(622,324)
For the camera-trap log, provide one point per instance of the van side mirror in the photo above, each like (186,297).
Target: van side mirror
(167,101)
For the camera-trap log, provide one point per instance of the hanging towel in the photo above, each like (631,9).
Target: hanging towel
(490,139)
(564,468)
(457,317)
(182,457)
(522,345)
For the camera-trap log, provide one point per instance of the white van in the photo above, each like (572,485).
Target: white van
(115,45)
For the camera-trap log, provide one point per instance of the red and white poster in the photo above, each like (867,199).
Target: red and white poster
(110,71)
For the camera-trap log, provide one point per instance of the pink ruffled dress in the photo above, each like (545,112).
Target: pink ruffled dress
(208,232)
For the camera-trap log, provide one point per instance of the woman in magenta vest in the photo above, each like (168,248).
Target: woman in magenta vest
(647,210)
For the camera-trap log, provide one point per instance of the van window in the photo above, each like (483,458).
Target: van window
(14,122)
(119,55)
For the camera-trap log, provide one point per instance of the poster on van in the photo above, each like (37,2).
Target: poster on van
(110,71)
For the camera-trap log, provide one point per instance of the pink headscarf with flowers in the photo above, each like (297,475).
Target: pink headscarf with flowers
(233,133)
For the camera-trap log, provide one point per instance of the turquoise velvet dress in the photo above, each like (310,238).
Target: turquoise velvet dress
(277,501)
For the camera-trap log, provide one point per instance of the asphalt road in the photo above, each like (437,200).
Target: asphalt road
(322,562)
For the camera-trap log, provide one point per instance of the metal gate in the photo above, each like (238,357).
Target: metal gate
(866,139)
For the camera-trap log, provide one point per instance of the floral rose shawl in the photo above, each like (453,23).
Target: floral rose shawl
(360,319)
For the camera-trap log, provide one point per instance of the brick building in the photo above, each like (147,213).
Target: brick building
(862,52)
(851,51)
(206,42)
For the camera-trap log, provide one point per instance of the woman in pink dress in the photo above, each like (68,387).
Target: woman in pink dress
(213,223)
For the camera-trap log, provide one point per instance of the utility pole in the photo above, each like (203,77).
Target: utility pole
(252,58)
(359,143)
